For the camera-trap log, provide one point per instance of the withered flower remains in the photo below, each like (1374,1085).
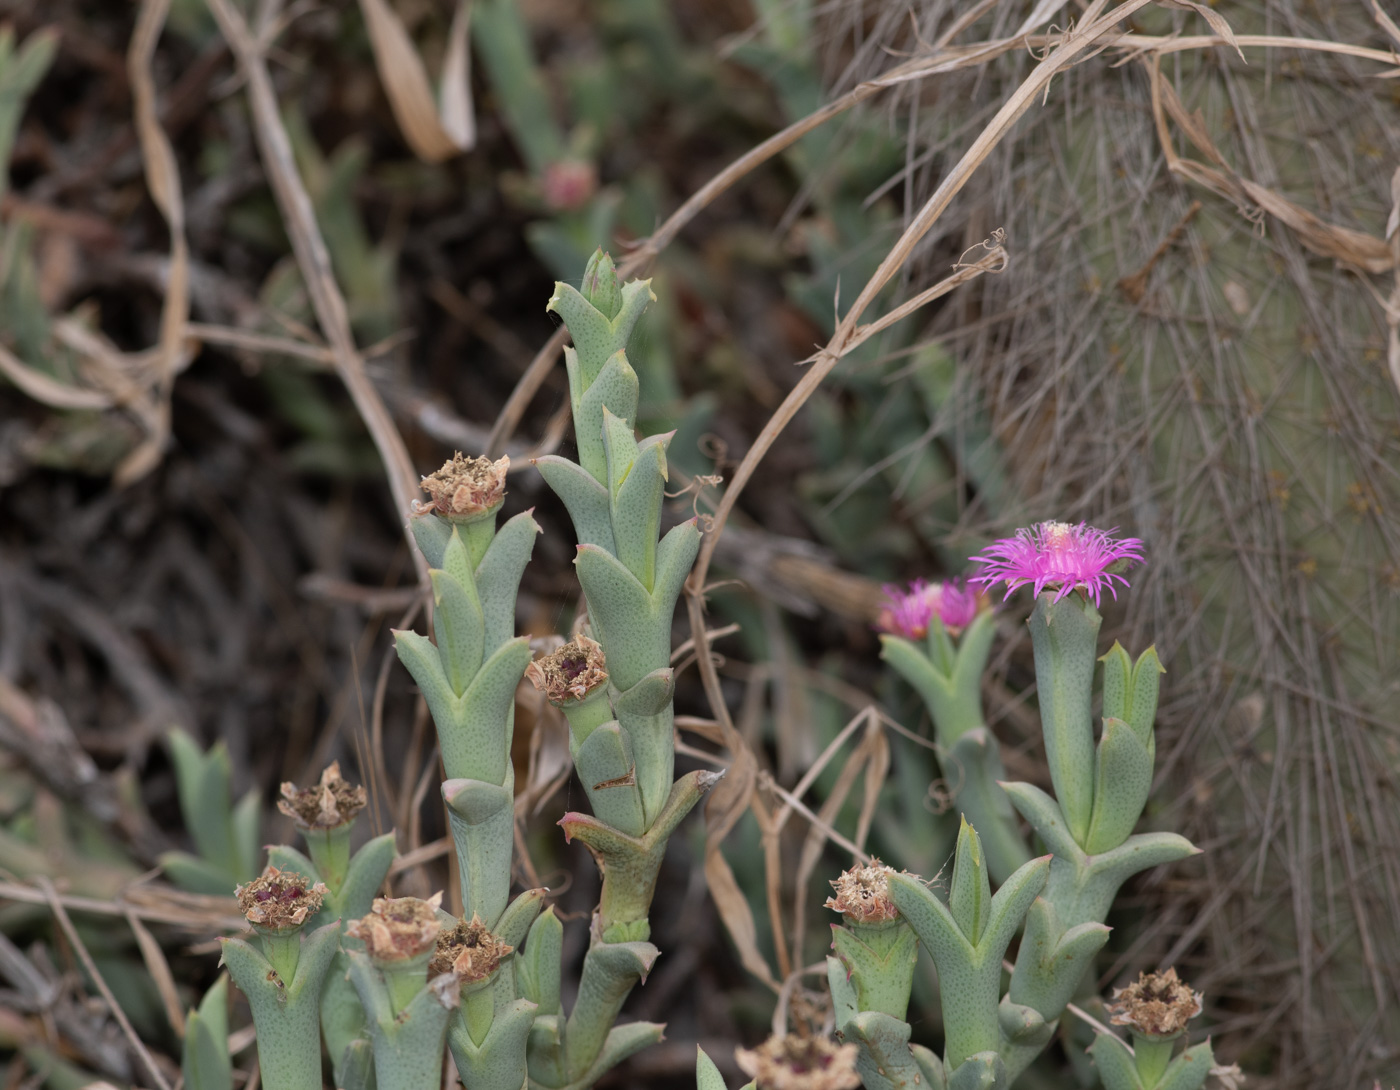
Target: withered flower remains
(398,928)
(863,893)
(800,1063)
(330,804)
(1158,1005)
(279,900)
(470,951)
(465,488)
(570,673)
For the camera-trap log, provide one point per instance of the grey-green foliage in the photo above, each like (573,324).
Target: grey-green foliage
(468,678)
(1101,787)
(349,894)
(205,1064)
(948,676)
(614,496)
(225,836)
(407,1037)
(283,984)
(20,72)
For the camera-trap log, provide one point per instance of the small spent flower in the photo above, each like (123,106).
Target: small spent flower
(470,951)
(863,894)
(791,1062)
(279,900)
(571,672)
(1159,1005)
(464,488)
(398,928)
(1056,554)
(909,613)
(332,803)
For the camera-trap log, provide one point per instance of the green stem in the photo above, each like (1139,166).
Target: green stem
(587,715)
(477,535)
(404,979)
(1152,1054)
(478,1011)
(330,852)
(283,950)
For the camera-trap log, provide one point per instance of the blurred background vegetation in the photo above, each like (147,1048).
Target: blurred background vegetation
(196,534)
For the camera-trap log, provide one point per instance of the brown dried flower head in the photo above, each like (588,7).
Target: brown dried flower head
(469,950)
(800,1063)
(1158,1005)
(329,805)
(279,900)
(398,928)
(465,488)
(863,894)
(570,673)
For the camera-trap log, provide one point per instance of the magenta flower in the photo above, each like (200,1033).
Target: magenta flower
(1056,554)
(909,613)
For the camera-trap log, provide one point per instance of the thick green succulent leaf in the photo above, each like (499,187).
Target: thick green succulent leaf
(622,1041)
(1051,960)
(635,640)
(1085,890)
(500,1061)
(616,391)
(707,1076)
(1020,1023)
(1130,689)
(1114,1063)
(519,916)
(460,629)
(931,921)
(976,768)
(636,514)
(355,1068)
(407,1046)
(585,499)
(970,895)
(1063,636)
(196,875)
(610,969)
(675,556)
(420,658)
(483,832)
(605,765)
(884,1061)
(432,534)
(650,696)
(1189,1070)
(475,742)
(982,1071)
(595,336)
(205,1064)
(247,838)
(620,447)
(1122,782)
(203,784)
(537,966)
(1045,818)
(368,868)
(882,969)
(498,576)
(601,285)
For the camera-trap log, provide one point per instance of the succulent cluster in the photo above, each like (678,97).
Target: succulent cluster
(938,638)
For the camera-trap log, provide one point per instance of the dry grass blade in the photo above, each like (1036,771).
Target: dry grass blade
(313,259)
(138,1046)
(163,178)
(159,968)
(725,806)
(42,387)
(1343,244)
(434,130)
